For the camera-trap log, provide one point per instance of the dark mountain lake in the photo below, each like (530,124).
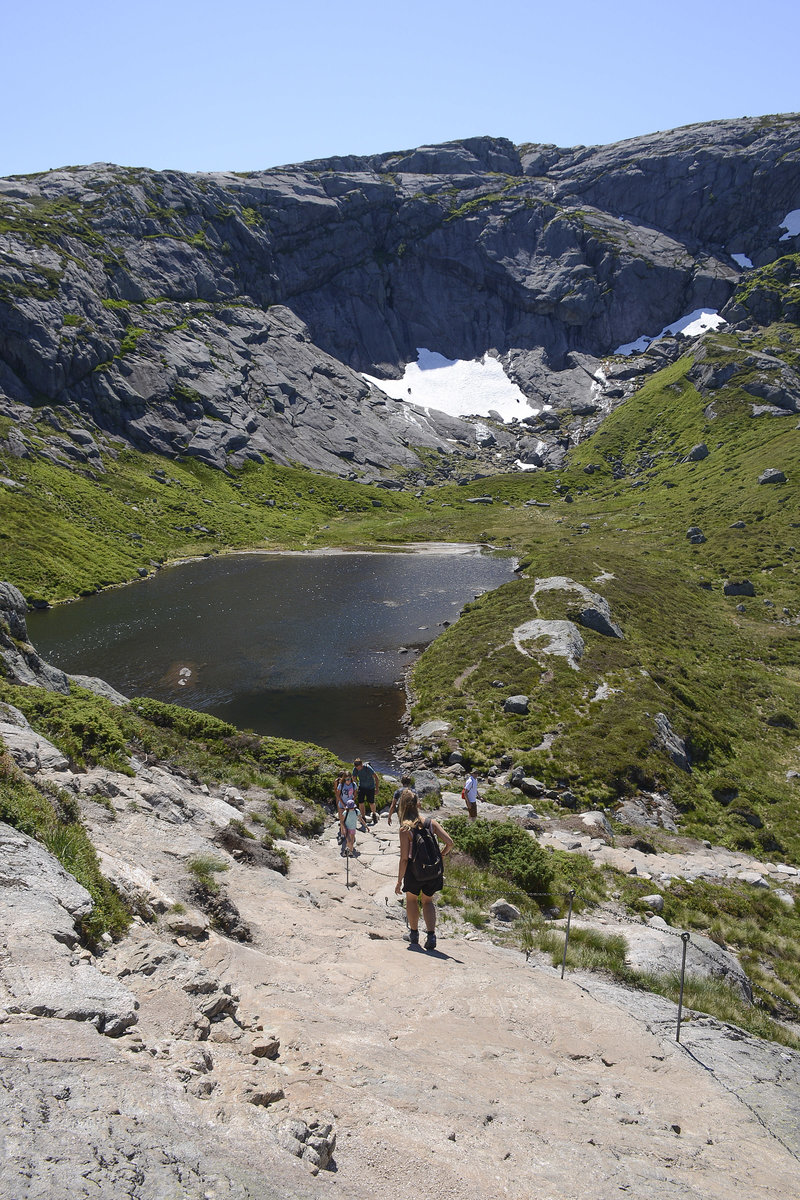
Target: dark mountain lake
(311,647)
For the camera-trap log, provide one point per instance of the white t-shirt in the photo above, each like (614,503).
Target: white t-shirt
(471,788)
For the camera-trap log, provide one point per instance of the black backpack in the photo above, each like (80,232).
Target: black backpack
(425,853)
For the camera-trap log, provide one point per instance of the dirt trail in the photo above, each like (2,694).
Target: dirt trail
(467,1072)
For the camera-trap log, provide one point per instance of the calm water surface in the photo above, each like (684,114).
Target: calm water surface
(303,646)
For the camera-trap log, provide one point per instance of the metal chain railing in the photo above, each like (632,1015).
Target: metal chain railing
(683,935)
(780,1000)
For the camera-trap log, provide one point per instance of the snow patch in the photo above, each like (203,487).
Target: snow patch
(692,325)
(791,223)
(458,387)
(741,260)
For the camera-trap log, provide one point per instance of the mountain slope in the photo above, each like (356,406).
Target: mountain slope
(224,317)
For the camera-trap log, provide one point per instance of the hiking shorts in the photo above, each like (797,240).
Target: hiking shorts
(428,888)
(366,796)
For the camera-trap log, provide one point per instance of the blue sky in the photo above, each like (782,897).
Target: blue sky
(245,85)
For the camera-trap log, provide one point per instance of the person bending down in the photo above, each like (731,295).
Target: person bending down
(412,831)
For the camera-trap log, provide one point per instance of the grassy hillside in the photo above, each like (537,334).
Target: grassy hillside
(723,669)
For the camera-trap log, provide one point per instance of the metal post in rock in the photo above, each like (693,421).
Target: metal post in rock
(566,936)
(685,940)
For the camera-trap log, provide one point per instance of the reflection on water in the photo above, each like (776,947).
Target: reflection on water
(307,647)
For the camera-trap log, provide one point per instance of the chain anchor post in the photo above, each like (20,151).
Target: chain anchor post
(685,940)
(566,935)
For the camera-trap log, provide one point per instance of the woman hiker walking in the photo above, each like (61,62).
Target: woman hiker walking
(421,870)
(348,814)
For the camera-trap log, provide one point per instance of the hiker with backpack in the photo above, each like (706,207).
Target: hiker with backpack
(405,782)
(367,779)
(349,814)
(337,787)
(421,870)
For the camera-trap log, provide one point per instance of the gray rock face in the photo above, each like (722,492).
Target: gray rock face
(426,784)
(599,824)
(267,293)
(22,664)
(669,740)
(516,704)
(655,947)
(772,475)
(39,905)
(598,617)
(738,587)
(91,1118)
(31,750)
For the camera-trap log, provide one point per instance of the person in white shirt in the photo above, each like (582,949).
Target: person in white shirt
(470,794)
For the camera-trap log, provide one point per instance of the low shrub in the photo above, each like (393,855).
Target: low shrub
(184,721)
(81,725)
(505,849)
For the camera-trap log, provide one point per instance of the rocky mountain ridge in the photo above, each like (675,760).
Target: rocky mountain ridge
(228,317)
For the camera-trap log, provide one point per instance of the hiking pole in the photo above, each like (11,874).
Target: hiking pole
(347,867)
(566,935)
(685,940)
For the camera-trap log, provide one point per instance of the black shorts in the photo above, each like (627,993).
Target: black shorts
(366,796)
(428,888)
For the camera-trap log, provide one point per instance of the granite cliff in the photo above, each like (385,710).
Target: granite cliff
(228,317)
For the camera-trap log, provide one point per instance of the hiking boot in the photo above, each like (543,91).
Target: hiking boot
(412,936)
(343,851)
(430,941)
(374,818)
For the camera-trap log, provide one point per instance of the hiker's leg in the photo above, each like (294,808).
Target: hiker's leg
(472,809)
(428,912)
(412,910)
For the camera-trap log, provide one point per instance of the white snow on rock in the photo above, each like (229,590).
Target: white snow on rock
(741,260)
(791,223)
(458,387)
(692,325)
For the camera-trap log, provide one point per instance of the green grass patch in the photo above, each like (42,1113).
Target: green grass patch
(204,870)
